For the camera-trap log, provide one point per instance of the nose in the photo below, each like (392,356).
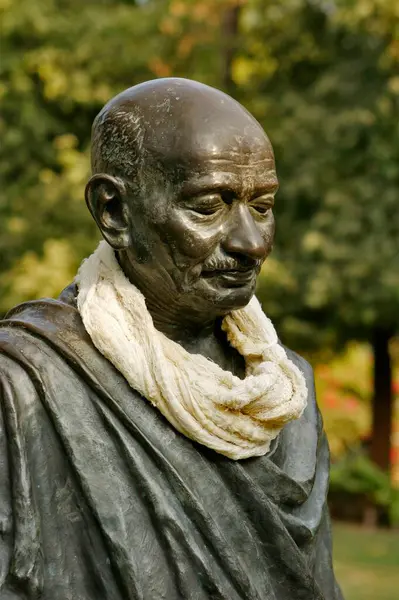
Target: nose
(244,237)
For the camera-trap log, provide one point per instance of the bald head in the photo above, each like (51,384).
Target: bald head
(168,121)
(183,187)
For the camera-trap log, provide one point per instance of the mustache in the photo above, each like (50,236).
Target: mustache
(230,263)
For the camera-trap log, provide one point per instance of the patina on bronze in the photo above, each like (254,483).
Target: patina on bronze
(99,497)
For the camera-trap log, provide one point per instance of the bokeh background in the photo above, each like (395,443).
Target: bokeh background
(322,76)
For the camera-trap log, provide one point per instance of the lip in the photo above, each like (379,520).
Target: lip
(234,276)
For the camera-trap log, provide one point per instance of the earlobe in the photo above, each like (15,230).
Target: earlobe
(106,199)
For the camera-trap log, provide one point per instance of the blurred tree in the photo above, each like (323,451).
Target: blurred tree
(61,61)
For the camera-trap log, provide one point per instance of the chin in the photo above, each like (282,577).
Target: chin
(224,300)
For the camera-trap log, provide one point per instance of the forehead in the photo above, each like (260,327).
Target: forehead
(225,154)
(202,132)
(241,180)
(241,165)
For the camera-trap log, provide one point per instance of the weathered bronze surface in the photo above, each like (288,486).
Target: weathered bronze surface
(99,497)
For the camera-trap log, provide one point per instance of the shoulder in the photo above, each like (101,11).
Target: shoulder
(40,323)
(18,373)
(311,412)
(46,340)
(302,364)
(32,340)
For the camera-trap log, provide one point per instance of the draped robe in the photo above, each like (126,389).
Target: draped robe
(101,499)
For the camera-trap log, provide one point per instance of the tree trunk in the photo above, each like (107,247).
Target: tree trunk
(382,401)
(230,42)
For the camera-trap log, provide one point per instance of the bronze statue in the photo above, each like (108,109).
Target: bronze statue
(156,440)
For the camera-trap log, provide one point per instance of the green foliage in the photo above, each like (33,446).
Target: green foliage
(323,80)
(356,475)
(61,61)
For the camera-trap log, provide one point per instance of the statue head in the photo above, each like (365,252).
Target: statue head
(183,188)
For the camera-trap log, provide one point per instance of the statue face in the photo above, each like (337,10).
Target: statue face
(209,222)
(201,223)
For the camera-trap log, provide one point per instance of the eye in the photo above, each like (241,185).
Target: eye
(206,205)
(262,205)
(206,210)
(262,209)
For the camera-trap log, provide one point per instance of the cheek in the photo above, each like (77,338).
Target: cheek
(189,240)
(143,241)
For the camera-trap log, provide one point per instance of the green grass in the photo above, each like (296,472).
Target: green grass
(366,562)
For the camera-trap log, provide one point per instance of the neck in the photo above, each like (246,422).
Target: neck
(189,334)
(171,315)
(174,316)
(183,324)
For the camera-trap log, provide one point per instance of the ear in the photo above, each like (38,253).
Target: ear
(106,199)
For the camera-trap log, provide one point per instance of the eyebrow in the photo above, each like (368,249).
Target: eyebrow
(226,183)
(268,188)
